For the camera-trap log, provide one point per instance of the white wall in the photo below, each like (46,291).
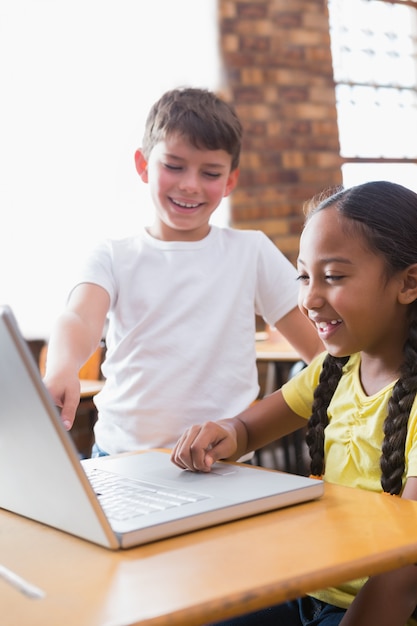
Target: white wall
(77,78)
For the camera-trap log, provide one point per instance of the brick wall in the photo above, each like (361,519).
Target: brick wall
(278,74)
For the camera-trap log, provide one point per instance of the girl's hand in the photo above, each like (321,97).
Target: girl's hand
(204,444)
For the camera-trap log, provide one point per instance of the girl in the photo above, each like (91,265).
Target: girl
(358,285)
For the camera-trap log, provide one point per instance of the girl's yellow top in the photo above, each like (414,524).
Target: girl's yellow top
(353,440)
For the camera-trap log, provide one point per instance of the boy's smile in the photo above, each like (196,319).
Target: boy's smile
(187,184)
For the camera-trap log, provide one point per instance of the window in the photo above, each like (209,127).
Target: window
(77,80)
(374,48)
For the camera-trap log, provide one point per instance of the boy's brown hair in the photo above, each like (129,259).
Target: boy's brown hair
(200,116)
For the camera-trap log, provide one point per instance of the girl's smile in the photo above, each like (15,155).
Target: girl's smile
(325,328)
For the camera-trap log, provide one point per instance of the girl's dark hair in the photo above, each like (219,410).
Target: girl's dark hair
(385,214)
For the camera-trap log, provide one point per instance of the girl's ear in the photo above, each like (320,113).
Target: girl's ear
(141,165)
(408,292)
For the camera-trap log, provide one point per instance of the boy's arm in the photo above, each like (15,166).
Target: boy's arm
(76,335)
(301,334)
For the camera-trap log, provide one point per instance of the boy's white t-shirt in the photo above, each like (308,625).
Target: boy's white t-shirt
(181,330)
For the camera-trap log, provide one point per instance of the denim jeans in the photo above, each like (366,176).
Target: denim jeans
(303,612)
(96,452)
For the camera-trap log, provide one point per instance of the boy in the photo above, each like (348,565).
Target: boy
(180,298)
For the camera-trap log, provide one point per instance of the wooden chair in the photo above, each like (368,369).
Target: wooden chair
(36,346)
(82,431)
(290,453)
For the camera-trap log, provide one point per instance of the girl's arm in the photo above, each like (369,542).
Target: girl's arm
(387,599)
(201,445)
(76,335)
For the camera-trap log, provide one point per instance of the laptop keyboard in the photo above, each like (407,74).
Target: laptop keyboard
(125,498)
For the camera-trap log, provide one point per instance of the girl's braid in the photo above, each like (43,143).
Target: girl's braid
(395,425)
(329,379)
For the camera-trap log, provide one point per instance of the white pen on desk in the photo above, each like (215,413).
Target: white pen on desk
(20,583)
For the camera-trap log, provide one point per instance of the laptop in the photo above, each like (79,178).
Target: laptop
(43,479)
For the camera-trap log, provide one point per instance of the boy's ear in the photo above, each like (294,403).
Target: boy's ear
(231,182)
(141,165)
(408,291)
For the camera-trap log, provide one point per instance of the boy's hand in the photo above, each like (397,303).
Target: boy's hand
(202,445)
(65,394)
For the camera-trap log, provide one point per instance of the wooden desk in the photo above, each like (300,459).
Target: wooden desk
(274,347)
(210,574)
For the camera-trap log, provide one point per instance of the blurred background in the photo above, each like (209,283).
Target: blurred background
(326,92)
